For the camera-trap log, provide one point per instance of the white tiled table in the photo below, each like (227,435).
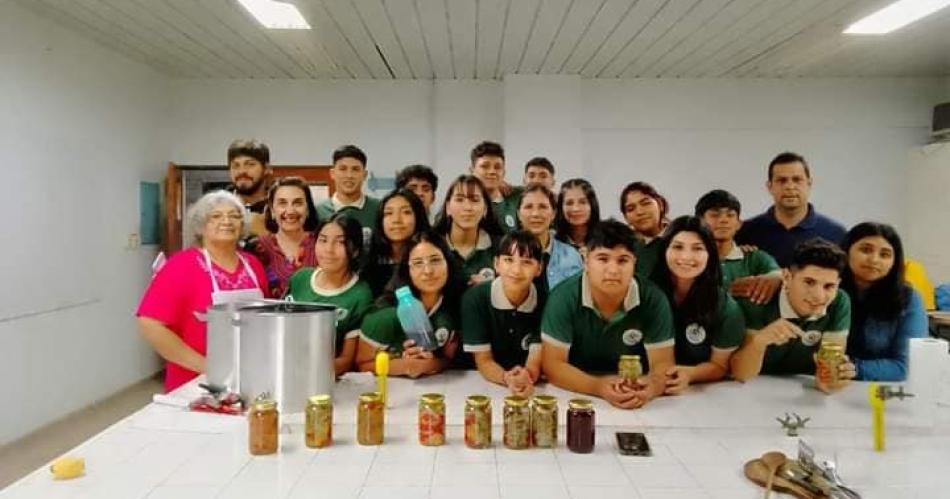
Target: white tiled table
(699,441)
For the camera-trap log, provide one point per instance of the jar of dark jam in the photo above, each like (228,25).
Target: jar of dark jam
(580,426)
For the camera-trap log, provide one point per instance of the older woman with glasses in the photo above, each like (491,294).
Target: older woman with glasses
(171,315)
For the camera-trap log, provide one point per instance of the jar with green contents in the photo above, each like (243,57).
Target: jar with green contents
(517,422)
(629,367)
(432,419)
(263,418)
(544,421)
(318,421)
(478,422)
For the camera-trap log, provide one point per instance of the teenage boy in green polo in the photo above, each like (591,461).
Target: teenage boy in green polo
(348,174)
(594,317)
(501,318)
(746,273)
(488,164)
(783,335)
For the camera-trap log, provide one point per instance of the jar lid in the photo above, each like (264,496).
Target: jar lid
(264,402)
(370,397)
(432,398)
(477,400)
(516,400)
(545,400)
(580,404)
(828,345)
(322,399)
(629,357)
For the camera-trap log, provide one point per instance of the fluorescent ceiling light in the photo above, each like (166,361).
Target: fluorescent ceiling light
(894,16)
(275,15)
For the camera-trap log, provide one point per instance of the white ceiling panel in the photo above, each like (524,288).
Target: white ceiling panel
(488,39)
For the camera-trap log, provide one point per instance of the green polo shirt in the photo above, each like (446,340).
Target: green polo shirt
(364,211)
(595,344)
(490,323)
(647,254)
(796,356)
(481,257)
(352,301)
(695,343)
(506,210)
(741,264)
(381,328)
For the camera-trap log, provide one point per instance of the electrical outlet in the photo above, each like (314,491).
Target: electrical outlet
(133,241)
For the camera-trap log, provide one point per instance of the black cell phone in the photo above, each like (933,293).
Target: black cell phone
(633,444)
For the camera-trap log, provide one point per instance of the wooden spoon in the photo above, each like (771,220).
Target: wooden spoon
(773,460)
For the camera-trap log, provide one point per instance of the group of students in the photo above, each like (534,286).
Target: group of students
(524,284)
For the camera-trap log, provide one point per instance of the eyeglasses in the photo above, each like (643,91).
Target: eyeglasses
(219,217)
(435,262)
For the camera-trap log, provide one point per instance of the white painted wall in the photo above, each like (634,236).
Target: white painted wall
(80,127)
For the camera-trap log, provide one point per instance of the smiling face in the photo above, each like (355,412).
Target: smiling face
(247,174)
(331,248)
(428,268)
(686,255)
(536,213)
(289,208)
(790,186)
(870,259)
(223,225)
(516,271)
(576,206)
(610,270)
(539,175)
(811,288)
(642,212)
(348,175)
(399,221)
(490,170)
(466,206)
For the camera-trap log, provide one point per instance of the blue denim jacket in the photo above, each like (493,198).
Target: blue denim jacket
(565,261)
(879,349)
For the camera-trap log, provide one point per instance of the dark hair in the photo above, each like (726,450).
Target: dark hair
(488,223)
(786,158)
(416,171)
(249,147)
(520,243)
(487,148)
(611,233)
(381,246)
(561,226)
(349,151)
(454,284)
(820,253)
(310,223)
(647,190)
(701,304)
(540,162)
(716,199)
(352,236)
(886,298)
(543,190)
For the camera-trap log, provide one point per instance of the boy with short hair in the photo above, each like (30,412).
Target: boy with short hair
(751,273)
(594,317)
(539,170)
(348,174)
(421,180)
(488,164)
(784,335)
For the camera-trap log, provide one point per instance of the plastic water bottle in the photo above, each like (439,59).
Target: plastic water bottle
(414,320)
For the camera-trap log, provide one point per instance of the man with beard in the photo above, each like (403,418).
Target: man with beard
(249,165)
(792,219)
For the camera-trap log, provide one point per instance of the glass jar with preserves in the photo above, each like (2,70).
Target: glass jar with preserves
(318,425)
(263,426)
(830,358)
(478,422)
(544,421)
(369,419)
(629,367)
(517,422)
(432,419)
(580,426)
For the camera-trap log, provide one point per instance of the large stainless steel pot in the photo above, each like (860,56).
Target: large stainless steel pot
(224,343)
(287,349)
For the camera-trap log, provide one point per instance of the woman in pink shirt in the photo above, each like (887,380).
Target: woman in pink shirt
(172,313)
